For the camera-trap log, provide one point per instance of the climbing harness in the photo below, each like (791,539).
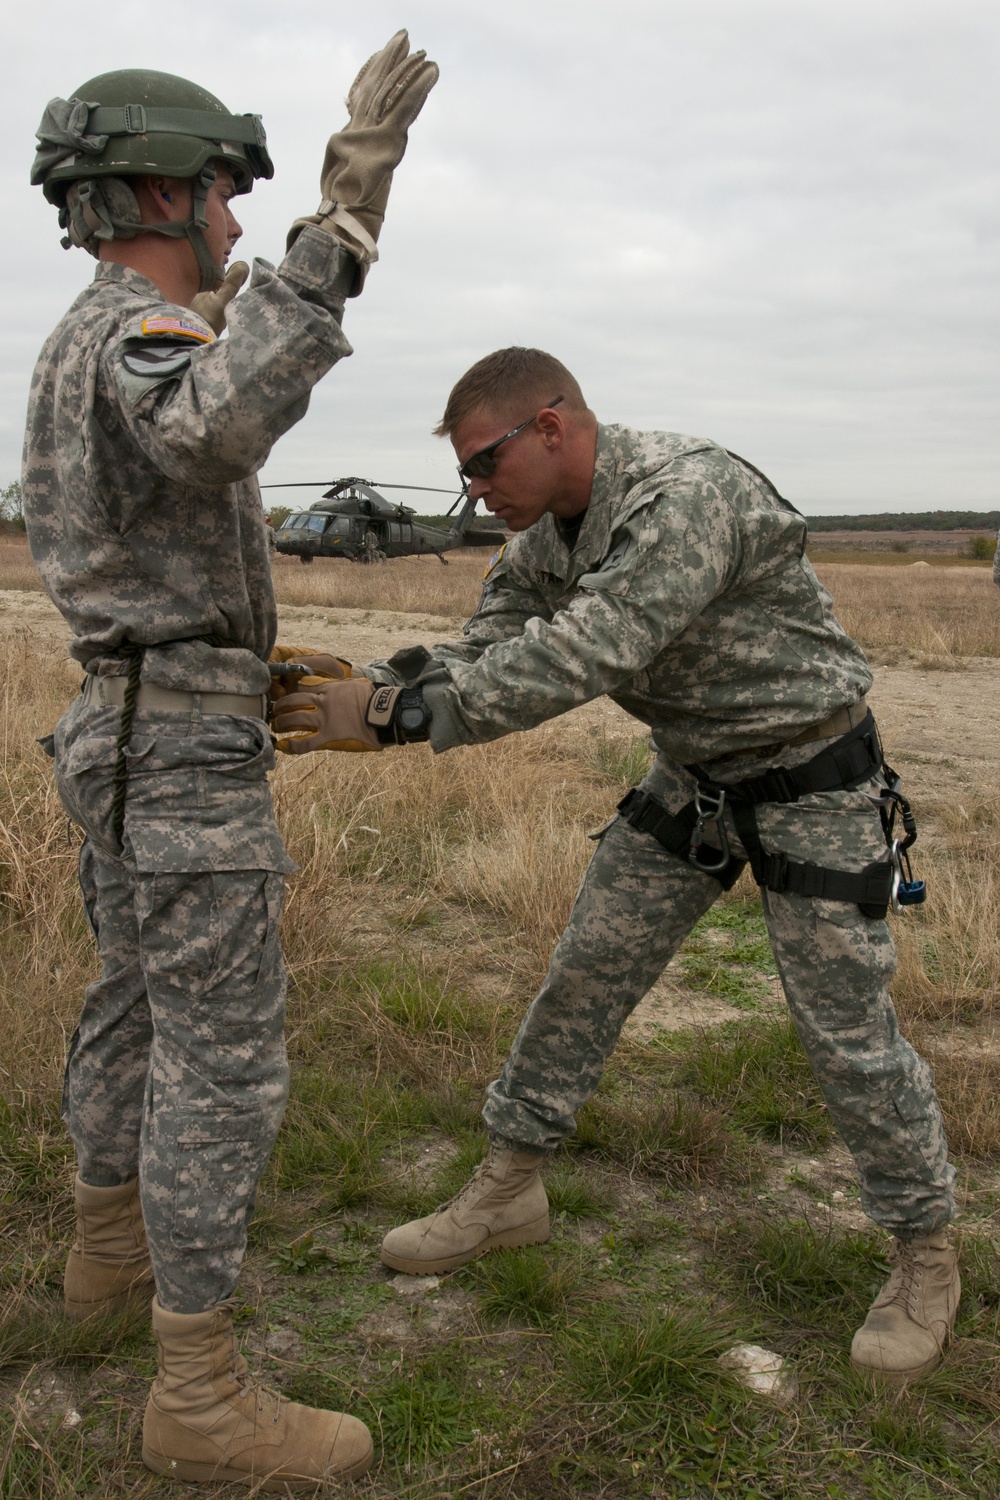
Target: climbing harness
(853,758)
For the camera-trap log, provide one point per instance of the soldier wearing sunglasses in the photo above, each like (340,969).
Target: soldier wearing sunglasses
(668,573)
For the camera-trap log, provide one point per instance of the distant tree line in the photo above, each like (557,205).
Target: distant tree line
(11,507)
(901,520)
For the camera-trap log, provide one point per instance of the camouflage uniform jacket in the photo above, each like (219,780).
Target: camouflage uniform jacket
(144,434)
(686,598)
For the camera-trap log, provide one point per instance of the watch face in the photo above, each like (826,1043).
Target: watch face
(412,718)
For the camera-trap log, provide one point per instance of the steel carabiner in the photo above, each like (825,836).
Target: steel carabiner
(709,803)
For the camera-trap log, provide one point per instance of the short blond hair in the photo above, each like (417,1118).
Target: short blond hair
(505,382)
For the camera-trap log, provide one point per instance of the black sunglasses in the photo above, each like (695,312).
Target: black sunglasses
(482,464)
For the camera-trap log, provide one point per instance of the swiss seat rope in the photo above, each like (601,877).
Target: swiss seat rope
(846,763)
(132,655)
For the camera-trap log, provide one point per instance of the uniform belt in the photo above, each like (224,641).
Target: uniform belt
(842,722)
(109,692)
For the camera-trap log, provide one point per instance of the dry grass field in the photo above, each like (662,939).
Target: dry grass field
(705,1200)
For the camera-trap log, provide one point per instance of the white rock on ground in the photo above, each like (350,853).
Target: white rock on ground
(414,1286)
(761,1370)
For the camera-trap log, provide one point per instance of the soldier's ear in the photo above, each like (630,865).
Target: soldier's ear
(161,199)
(553,427)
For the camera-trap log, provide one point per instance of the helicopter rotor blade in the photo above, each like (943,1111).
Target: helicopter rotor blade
(428,489)
(315,484)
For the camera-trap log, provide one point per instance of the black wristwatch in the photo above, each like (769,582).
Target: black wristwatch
(399,716)
(412,717)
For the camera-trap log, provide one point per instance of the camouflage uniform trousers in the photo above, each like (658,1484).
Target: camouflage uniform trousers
(178,1070)
(634,908)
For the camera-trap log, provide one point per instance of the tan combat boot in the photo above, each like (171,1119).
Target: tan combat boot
(108,1265)
(913,1316)
(502,1204)
(208,1419)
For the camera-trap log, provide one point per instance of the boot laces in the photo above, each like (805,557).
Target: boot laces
(902,1288)
(483,1170)
(249,1385)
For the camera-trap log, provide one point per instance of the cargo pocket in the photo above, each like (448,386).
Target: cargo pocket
(271,974)
(919,1121)
(215,1175)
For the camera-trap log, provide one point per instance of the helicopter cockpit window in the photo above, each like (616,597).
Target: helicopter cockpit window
(294,522)
(316,523)
(339,526)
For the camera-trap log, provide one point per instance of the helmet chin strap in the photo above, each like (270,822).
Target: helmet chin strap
(194,230)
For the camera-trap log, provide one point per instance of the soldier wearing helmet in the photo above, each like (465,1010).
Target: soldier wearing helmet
(144,432)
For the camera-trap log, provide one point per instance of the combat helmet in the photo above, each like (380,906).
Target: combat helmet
(132,123)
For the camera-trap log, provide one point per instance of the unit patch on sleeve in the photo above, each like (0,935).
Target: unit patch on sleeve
(156,361)
(163,346)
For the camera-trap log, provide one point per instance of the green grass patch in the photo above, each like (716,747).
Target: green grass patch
(421,1409)
(45,1460)
(33,1328)
(624,760)
(36,1154)
(417,997)
(808,1275)
(572,1196)
(535,1286)
(676,1138)
(728,953)
(758,1074)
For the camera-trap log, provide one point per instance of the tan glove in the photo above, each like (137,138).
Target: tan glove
(321,668)
(212,305)
(383,103)
(335,716)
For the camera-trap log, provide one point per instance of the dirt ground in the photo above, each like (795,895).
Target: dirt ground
(941,726)
(945,720)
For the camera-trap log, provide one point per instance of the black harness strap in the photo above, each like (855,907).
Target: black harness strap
(674,830)
(852,759)
(869,888)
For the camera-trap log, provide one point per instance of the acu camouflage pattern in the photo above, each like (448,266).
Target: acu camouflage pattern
(146,524)
(636,905)
(687,599)
(178,1069)
(142,511)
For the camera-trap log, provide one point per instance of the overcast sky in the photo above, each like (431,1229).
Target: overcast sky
(771,222)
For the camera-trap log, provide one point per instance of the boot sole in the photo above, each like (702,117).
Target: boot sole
(898,1377)
(510,1239)
(180,1468)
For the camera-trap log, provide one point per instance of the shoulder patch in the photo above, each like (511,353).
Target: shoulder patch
(613,558)
(494,560)
(157,361)
(177,328)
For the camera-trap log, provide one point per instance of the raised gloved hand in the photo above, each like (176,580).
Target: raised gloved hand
(337,716)
(212,305)
(320,668)
(383,103)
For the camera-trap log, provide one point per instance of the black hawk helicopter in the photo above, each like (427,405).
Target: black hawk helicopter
(354,521)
